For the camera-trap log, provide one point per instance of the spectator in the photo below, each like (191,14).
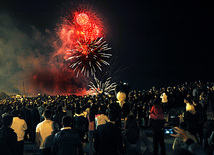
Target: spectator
(35,117)
(101,118)
(132,136)
(108,137)
(67,141)
(27,117)
(59,115)
(178,143)
(91,119)
(210,98)
(208,129)
(157,124)
(164,101)
(8,138)
(81,124)
(191,117)
(45,132)
(19,126)
(190,146)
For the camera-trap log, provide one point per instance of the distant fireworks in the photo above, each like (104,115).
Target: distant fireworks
(82,36)
(100,87)
(88,55)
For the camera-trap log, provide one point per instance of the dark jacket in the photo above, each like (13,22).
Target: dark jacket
(193,122)
(67,142)
(208,129)
(8,141)
(81,125)
(108,140)
(58,118)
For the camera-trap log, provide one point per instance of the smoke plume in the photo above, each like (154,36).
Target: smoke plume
(29,63)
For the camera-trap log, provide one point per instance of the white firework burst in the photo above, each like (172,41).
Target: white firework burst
(100,87)
(88,55)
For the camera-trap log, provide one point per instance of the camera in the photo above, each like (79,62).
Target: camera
(168,131)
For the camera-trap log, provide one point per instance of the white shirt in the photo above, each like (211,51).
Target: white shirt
(46,130)
(101,119)
(19,126)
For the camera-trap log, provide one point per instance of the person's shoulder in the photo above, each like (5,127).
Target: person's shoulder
(39,124)
(22,120)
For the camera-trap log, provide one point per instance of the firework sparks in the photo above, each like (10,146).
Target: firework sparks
(100,87)
(82,39)
(88,56)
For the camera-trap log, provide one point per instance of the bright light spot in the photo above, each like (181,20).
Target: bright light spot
(82,19)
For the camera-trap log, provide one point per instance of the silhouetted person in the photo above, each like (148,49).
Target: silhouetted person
(67,141)
(108,137)
(35,118)
(59,115)
(8,138)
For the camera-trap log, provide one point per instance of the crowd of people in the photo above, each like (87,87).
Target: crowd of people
(61,125)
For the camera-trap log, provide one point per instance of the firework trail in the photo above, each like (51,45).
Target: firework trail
(82,37)
(100,87)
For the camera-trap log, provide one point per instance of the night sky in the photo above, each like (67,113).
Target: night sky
(157,43)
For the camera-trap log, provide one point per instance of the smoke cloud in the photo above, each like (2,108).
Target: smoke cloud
(30,63)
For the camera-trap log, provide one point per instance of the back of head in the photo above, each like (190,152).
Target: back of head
(157,101)
(15,113)
(67,121)
(59,108)
(113,114)
(7,119)
(102,110)
(131,123)
(47,114)
(78,110)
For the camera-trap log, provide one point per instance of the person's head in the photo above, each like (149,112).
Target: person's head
(47,114)
(59,108)
(7,120)
(157,101)
(113,115)
(188,100)
(102,110)
(131,122)
(78,110)
(67,121)
(15,113)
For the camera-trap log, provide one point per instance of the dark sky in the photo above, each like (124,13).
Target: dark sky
(158,42)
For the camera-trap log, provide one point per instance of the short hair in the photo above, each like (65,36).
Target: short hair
(7,119)
(78,110)
(15,113)
(59,108)
(67,121)
(102,110)
(157,101)
(113,114)
(47,113)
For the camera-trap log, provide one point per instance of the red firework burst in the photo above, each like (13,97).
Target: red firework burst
(82,35)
